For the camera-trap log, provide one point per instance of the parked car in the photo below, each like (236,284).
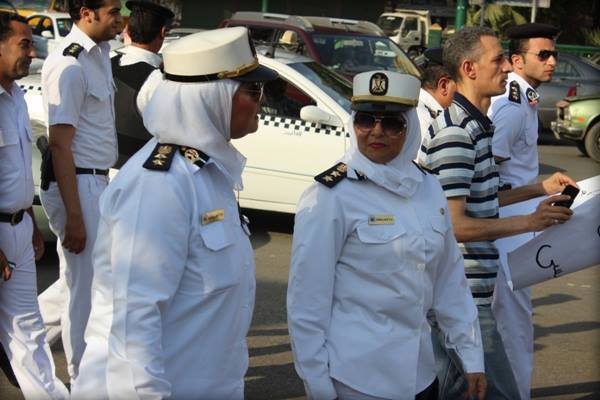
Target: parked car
(578,120)
(346,46)
(573,75)
(302,131)
(48,28)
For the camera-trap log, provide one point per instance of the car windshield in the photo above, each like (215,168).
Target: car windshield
(331,83)
(64,26)
(389,23)
(351,55)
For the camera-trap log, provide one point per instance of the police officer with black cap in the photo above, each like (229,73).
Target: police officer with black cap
(132,67)
(437,89)
(514,146)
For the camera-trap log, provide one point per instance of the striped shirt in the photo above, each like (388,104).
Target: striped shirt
(458,150)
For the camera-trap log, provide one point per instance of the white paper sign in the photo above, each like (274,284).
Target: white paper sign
(561,249)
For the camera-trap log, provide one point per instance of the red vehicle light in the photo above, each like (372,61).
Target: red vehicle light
(572,91)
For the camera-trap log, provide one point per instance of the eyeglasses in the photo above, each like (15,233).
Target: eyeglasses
(390,125)
(543,55)
(255,90)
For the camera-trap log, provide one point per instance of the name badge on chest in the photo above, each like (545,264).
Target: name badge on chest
(382,219)
(213,216)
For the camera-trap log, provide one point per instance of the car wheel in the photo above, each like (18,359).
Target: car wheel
(592,142)
(581,147)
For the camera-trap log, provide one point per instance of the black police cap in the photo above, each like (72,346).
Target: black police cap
(532,30)
(151,7)
(434,56)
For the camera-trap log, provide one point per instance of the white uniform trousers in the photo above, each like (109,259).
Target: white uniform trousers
(514,317)
(53,301)
(76,269)
(22,331)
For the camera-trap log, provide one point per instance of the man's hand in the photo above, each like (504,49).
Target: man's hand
(38,243)
(477,386)
(556,183)
(75,236)
(5,267)
(547,214)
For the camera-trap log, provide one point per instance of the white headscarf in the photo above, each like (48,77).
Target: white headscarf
(197,115)
(399,175)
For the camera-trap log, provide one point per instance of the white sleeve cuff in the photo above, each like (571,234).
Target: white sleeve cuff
(320,389)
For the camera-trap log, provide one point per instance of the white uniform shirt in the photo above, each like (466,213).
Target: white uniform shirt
(426,106)
(80,92)
(516,134)
(134,55)
(172,296)
(16,179)
(359,293)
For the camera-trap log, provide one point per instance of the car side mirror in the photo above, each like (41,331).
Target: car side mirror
(316,115)
(47,34)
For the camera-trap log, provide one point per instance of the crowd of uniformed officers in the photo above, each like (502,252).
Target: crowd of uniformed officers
(394,264)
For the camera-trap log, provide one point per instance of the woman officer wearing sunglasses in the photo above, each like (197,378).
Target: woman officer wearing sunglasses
(373,252)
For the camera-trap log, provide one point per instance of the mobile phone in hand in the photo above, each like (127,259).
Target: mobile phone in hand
(571,191)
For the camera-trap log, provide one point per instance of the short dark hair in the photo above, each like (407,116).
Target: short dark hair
(145,25)
(5,19)
(517,46)
(74,7)
(432,74)
(464,44)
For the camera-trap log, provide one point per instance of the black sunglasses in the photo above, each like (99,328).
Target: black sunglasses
(390,125)
(254,89)
(543,55)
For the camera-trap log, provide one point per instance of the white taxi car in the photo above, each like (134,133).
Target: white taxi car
(48,29)
(302,131)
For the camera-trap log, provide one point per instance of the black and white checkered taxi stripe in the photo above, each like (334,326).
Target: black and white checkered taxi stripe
(31,88)
(299,125)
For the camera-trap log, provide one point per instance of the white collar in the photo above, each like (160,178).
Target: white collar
(429,101)
(140,55)
(80,37)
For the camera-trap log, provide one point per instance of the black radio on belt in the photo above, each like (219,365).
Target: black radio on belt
(46,168)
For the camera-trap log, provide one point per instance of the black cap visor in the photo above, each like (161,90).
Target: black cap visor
(259,74)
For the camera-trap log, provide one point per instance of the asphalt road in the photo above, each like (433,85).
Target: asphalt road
(567,314)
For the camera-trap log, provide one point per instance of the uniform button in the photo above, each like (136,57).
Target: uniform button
(420,267)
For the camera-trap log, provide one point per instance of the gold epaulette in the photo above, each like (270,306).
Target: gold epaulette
(333,175)
(161,157)
(74,49)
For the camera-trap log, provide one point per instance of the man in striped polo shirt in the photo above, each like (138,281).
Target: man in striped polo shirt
(458,150)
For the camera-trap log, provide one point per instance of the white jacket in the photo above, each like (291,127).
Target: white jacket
(173,289)
(367,265)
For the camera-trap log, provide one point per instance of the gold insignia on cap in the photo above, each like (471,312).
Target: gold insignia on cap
(378,84)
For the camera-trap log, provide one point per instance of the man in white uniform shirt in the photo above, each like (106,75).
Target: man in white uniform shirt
(22,333)
(131,67)
(514,146)
(78,95)
(437,90)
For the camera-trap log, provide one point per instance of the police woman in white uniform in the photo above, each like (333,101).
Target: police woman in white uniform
(373,252)
(174,282)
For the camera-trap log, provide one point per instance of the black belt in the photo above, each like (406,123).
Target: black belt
(90,171)
(12,219)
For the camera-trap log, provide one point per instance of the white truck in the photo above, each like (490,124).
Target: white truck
(408,28)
